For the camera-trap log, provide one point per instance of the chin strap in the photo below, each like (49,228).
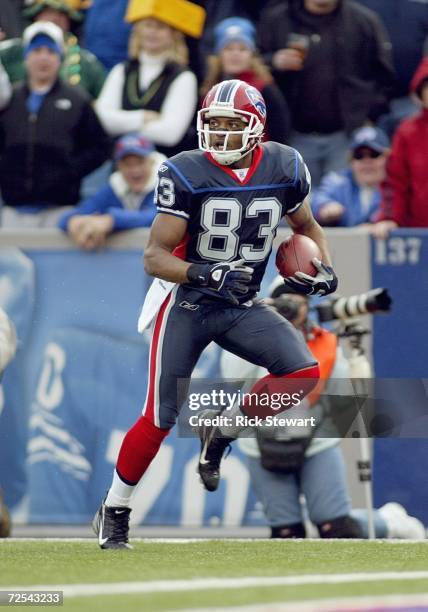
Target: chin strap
(224,160)
(220,157)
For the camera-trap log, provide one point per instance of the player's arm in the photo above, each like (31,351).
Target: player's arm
(229,279)
(302,222)
(165,235)
(173,202)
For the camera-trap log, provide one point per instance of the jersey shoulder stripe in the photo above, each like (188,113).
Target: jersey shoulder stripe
(175,213)
(280,170)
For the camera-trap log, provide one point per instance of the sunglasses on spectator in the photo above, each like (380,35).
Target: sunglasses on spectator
(366,154)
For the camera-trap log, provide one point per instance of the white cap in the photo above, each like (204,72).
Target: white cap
(47,28)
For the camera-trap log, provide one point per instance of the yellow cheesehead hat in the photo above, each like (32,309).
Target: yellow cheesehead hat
(182,15)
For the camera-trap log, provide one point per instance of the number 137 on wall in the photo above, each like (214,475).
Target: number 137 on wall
(398,251)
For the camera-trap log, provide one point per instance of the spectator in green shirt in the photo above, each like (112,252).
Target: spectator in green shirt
(80,67)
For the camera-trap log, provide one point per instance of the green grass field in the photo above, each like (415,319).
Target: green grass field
(78,563)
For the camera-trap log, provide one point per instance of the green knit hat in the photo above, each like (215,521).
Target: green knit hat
(59,5)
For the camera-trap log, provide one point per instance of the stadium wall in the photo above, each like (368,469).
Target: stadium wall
(78,381)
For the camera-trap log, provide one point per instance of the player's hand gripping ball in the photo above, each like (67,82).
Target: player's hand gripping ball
(298,260)
(295,254)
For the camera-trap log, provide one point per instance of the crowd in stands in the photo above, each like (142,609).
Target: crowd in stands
(101,91)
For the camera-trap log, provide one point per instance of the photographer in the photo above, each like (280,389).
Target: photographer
(285,464)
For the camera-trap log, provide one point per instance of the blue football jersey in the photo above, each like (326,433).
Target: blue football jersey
(230,219)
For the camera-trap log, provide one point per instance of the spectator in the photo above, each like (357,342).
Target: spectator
(50,137)
(406,22)
(219,11)
(106,33)
(153,93)
(405,193)
(126,202)
(352,197)
(284,463)
(236,57)
(79,67)
(332,60)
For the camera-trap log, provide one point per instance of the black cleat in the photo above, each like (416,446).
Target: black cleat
(212,450)
(111,525)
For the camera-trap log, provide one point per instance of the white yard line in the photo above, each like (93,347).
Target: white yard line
(203,584)
(243,540)
(342,604)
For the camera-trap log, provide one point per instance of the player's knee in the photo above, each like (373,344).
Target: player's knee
(311,372)
(297,530)
(151,427)
(315,372)
(306,378)
(168,421)
(341,527)
(145,430)
(311,377)
(167,417)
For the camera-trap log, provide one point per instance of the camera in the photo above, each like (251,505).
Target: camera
(375,300)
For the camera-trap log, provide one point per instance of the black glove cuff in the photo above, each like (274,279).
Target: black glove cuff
(198,274)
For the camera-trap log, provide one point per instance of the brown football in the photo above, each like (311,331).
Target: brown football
(295,254)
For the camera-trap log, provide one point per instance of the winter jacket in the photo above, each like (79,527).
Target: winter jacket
(112,200)
(406,22)
(44,156)
(405,193)
(341,187)
(347,76)
(10,18)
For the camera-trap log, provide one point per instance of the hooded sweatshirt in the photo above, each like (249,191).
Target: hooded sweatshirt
(405,193)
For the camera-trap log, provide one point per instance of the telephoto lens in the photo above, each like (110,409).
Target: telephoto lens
(371,302)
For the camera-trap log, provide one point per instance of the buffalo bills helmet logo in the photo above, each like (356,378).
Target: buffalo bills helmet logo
(256,100)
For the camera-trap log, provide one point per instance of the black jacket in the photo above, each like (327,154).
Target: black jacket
(44,157)
(406,22)
(10,18)
(349,51)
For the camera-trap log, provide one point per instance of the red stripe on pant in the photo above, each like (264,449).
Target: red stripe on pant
(149,408)
(279,391)
(142,442)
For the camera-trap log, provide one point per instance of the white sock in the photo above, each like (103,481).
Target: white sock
(119,493)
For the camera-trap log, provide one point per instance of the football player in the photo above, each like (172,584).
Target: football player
(218,211)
